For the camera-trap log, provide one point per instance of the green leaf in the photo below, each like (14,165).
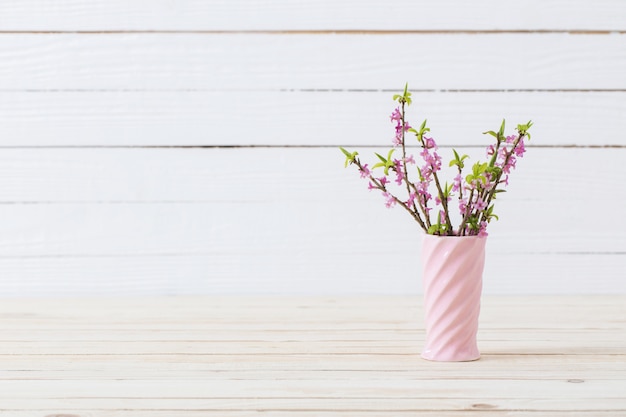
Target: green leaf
(350,157)
(423,126)
(433,229)
(501,132)
(378,165)
(381,157)
(491,132)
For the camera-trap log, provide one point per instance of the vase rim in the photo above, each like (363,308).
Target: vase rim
(428,235)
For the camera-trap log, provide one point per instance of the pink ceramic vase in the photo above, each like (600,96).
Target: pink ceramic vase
(452,278)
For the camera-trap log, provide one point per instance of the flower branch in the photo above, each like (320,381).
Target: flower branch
(475,192)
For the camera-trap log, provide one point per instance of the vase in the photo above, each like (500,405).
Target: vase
(452,279)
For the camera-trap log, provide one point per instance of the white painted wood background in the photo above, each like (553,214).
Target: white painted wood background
(190,147)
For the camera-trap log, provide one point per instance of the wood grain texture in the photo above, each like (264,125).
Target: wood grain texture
(534,360)
(123,221)
(276,62)
(212,118)
(106,108)
(100,15)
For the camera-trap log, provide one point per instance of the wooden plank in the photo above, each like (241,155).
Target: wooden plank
(290,413)
(492,342)
(292,268)
(310,15)
(283,316)
(301,413)
(309,367)
(142,392)
(547,381)
(153,214)
(230,274)
(274,62)
(214,228)
(589,403)
(133,118)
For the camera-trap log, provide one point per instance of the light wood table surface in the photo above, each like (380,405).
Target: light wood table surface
(306,356)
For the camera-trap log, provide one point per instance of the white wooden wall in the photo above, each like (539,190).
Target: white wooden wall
(190,147)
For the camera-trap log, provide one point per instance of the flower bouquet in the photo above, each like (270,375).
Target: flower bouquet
(474,192)
(453,257)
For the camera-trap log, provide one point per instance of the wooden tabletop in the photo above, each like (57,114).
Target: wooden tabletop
(296,357)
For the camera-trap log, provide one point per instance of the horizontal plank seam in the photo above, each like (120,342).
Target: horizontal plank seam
(312,90)
(323,32)
(288,146)
(186,254)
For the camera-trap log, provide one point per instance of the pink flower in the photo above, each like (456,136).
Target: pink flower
(520,149)
(482,232)
(505,181)
(411,201)
(399,171)
(396,115)
(438,200)
(509,165)
(491,150)
(383,181)
(365,172)
(371,186)
(422,189)
(463,206)
(456,186)
(409,160)
(480,205)
(429,143)
(442,216)
(397,140)
(511,139)
(390,200)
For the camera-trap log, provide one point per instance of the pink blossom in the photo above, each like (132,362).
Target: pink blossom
(429,143)
(371,186)
(511,139)
(456,186)
(442,216)
(502,154)
(482,232)
(397,140)
(480,205)
(488,185)
(505,181)
(399,171)
(409,160)
(422,189)
(436,161)
(520,149)
(509,165)
(396,115)
(411,201)
(491,150)
(438,200)
(390,200)
(365,172)
(383,181)
(463,206)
